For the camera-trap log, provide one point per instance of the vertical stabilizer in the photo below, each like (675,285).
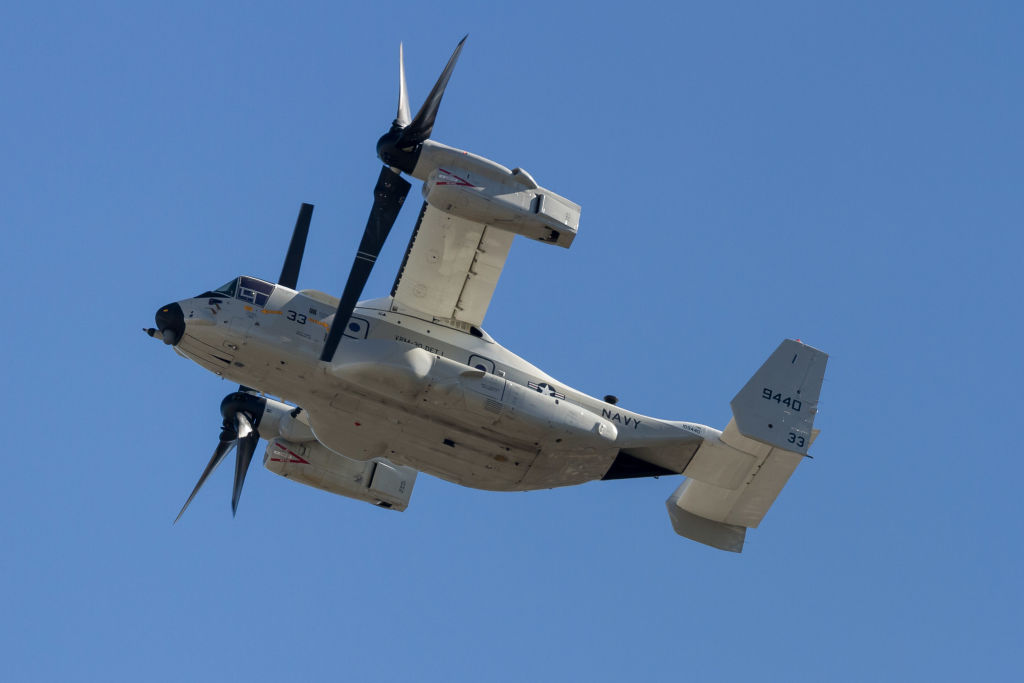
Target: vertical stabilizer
(778,404)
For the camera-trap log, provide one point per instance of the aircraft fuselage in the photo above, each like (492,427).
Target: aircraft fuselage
(450,402)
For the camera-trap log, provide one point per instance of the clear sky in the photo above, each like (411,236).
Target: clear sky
(846,173)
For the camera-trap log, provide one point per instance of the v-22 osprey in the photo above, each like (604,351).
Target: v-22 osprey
(373,392)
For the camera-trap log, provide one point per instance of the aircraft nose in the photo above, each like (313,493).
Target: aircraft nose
(170,320)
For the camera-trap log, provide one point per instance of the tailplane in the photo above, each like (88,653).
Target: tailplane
(735,476)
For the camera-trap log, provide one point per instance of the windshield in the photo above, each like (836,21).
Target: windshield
(224,291)
(245,288)
(227,290)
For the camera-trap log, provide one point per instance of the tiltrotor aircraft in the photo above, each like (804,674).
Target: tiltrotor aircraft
(375,391)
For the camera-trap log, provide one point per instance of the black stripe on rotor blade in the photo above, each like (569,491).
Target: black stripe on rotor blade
(293,260)
(388,196)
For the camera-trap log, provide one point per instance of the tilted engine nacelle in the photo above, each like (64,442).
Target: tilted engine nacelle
(477,189)
(376,481)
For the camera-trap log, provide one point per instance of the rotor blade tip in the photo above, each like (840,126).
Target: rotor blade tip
(180,513)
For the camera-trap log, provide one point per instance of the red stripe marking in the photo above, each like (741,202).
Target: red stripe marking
(460,182)
(296,458)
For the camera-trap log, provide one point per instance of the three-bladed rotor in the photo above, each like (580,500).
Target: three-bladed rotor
(399,148)
(242,412)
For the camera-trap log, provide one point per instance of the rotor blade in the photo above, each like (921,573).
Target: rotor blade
(246,447)
(219,453)
(293,260)
(403,117)
(388,196)
(421,126)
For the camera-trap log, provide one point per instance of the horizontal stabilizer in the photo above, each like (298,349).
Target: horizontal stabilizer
(696,528)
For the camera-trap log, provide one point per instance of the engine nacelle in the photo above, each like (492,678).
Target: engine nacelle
(376,481)
(477,189)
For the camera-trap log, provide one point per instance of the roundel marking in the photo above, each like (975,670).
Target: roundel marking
(356,328)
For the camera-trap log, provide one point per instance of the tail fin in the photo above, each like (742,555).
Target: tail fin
(778,404)
(734,479)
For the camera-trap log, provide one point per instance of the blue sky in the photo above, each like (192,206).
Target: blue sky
(849,174)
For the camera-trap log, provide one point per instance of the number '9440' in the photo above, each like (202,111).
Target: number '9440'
(787,401)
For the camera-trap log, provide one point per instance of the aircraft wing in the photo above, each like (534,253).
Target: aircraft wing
(451,267)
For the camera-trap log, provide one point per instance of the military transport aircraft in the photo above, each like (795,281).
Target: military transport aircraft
(372,392)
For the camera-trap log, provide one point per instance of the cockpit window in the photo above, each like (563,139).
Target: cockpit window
(227,290)
(254,291)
